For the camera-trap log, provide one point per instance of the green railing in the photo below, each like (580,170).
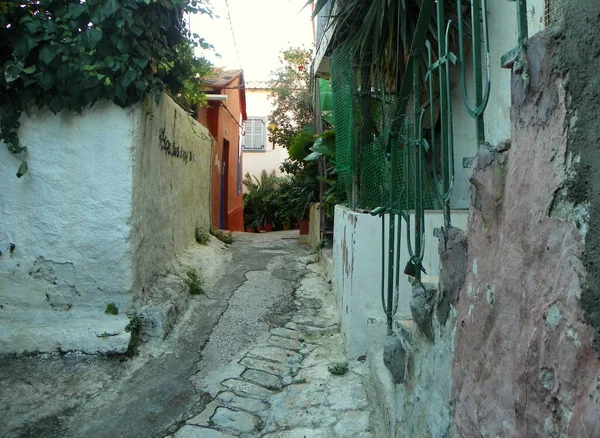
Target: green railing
(408,146)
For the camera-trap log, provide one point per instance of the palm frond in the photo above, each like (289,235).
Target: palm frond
(380,32)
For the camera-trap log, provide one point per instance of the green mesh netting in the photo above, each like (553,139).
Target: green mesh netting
(342,88)
(364,124)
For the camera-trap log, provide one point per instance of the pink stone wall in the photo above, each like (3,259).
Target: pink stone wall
(524,363)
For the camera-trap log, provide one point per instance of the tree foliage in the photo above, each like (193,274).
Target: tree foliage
(69,54)
(292,99)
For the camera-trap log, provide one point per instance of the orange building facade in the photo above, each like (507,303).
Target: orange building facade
(224,119)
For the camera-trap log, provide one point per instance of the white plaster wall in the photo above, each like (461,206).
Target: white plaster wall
(172,187)
(102,210)
(71,211)
(357,265)
(69,219)
(259,104)
(256,162)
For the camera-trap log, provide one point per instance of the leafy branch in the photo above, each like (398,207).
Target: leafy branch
(67,55)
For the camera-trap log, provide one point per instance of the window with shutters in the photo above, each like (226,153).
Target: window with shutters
(254,134)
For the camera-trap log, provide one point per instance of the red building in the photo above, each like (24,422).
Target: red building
(224,117)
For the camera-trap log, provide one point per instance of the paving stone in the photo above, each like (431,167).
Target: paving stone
(261,378)
(249,404)
(314,321)
(275,354)
(313,331)
(347,395)
(351,423)
(307,349)
(287,380)
(291,326)
(307,312)
(239,421)
(312,303)
(320,372)
(263,365)
(313,416)
(200,432)
(288,344)
(287,333)
(301,433)
(203,418)
(303,395)
(247,388)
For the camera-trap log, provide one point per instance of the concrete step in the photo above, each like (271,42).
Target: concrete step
(385,392)
(88,332)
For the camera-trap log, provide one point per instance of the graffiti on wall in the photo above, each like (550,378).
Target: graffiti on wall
(170,148)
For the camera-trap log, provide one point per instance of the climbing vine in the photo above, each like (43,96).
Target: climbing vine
(69,54)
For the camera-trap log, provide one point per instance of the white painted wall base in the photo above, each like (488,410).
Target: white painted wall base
(358,277)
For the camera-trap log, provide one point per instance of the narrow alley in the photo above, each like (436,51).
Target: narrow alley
(259,354)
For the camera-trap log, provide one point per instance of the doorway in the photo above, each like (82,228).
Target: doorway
(224,184)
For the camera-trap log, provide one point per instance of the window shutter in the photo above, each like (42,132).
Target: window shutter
(254,138)
(248,134)
(259,134)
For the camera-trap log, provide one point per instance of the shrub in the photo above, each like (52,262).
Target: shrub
(194,283)
(222,235)
(202,237)
(338,368)
(111,309)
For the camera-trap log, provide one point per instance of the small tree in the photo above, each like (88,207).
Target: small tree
(291,95)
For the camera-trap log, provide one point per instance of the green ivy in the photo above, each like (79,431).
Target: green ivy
(69,54)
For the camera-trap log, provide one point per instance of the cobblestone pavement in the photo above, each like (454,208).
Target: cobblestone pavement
(281,386)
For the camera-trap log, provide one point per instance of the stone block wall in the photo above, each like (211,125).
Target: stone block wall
(525,363)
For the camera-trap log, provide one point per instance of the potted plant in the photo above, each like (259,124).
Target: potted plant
(258,199)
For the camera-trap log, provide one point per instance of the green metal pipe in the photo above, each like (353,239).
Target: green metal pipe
(443,83)
(450,145)
(476,7)
(417,114)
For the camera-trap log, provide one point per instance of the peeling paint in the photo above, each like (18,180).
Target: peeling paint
(573,335)
(490,295)
(546,377)
(475,267)
(553,317)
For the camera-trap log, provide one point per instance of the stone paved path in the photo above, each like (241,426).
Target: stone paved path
(281,387)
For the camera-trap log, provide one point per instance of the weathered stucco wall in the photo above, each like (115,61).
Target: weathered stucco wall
(109,199)
(171,187)
(578,53)
(524,362)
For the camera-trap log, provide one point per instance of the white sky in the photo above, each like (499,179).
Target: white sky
(262,29)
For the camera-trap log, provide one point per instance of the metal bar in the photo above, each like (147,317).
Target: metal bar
(476,35)
(444,85)
(383,304)
(522,19)
(479,107)
(398,248)
(418,168)
(322,166)
(391,239)
(509,59)
(450,157)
